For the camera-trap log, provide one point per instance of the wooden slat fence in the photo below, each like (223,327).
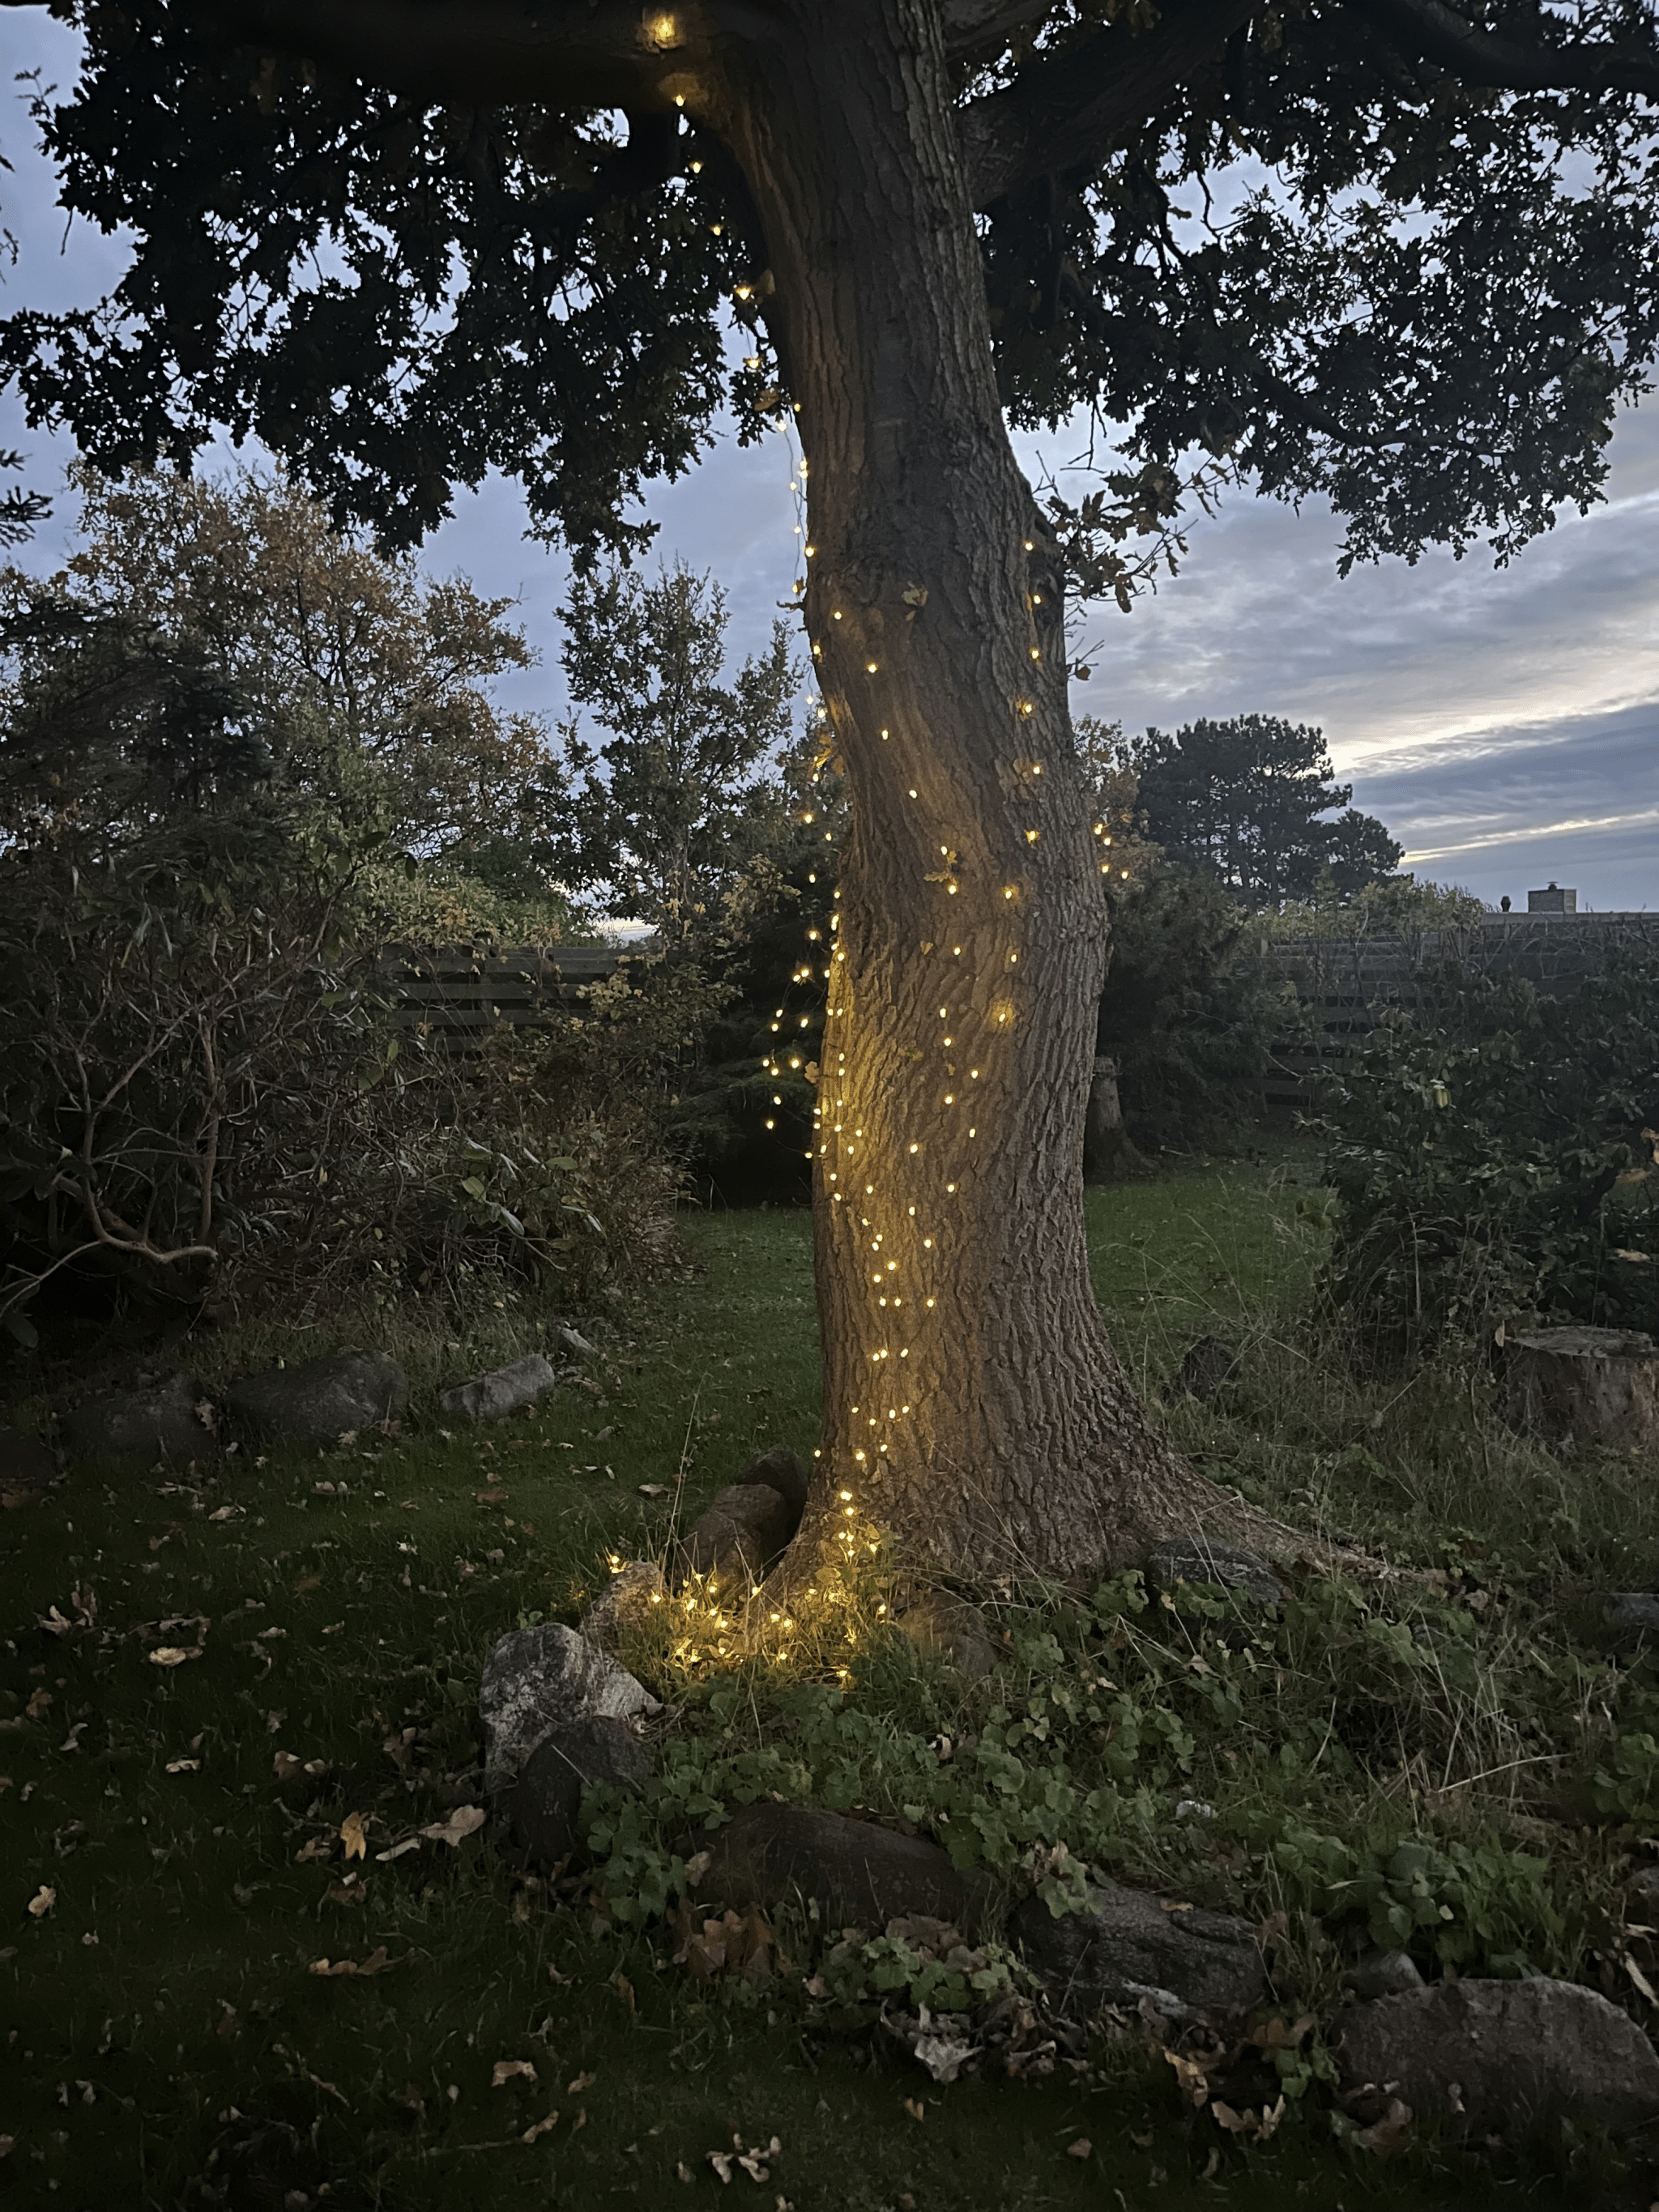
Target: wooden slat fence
(1348,982)
(459,993)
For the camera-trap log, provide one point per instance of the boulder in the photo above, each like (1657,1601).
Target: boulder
(1207,1367)
(1383,1974)
(159,1422)
(778,1468)
(1128,1945)
(1642,1899)
(1600,1385)
(743,1531)
(492,1397)
(1200,1560)
(858,1875)
(537,1680)
(950,1628)
(1626,1618)
(625,1602)
(317,1402)
(541,1807)
(28,1466)
(1512,2059)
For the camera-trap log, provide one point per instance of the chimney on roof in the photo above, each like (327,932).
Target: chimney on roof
(1552,901)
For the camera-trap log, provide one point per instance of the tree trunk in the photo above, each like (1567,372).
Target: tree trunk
(972,1403)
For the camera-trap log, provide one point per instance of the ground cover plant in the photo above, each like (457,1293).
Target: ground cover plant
(258,1942)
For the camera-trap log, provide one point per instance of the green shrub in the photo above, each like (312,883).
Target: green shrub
(1491,1157)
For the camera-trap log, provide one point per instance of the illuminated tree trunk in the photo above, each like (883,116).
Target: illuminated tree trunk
(972,1402)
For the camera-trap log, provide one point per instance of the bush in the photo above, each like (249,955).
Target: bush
(207,1102)
(1190,1012)
(1494,1154)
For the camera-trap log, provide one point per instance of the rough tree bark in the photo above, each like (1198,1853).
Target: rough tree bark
(973,1404)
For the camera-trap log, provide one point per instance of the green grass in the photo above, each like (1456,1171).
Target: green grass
(166,2039)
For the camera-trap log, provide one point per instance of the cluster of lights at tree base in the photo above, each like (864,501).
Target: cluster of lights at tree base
(715,1622)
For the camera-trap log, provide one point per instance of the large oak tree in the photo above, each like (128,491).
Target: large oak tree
(404,241)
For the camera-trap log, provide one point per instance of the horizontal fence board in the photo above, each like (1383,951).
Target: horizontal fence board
(1350,983)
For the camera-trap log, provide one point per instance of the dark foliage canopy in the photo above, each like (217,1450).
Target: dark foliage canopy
(1382,250)
(1243,802)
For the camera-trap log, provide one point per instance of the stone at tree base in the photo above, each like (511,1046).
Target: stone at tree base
(1593,1385)
(1207,1367)
(858,1875)
(1383,1974)
(1642,1899)
(317,1402)
(1628,1618)
(950,1627)
(778,1468)
(493,1396)
(541,1806)
(538,1679)
(1524,2056)
(626,1600)
(160,1422)
(745,1528)
(1126,1946)
(28,1466)
(1200,1560)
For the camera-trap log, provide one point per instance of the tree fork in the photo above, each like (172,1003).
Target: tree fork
(972,1404)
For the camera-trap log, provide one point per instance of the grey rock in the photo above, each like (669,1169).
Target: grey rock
(950,1628)
(539,1680)
(1127,1945)
(1511,2059)
(745,1528)
(1207,1367)
(625,1602)
(1384,1974)
(1627,1618)
(26,1465)
(160,1422)
(541,1807)
(1642,1899)
(492,1397)
(573,1340)
(317,1402)
(858,1875)
(1200,1560)
(778,1468)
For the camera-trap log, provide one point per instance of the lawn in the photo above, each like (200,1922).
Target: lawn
(177,1880)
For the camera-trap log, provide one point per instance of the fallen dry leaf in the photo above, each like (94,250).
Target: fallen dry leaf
(39,1704)
(319,1847)
(653,1490)
(682,2171)
(183,1766)
(1389,2134)
(916,2108)
(721,2163)
(173,1655)
(376,1963)
(582,2081)
(465,1821)
(308,1582)
(539,2128)
(511,2070)
(408,1844)
(1081,2148)
(350,1891)
(42,1901)
(354,1834)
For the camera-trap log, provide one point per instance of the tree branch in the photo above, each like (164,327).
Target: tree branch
(570,54)
(970,23)
(1441,35)
(1068,110)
